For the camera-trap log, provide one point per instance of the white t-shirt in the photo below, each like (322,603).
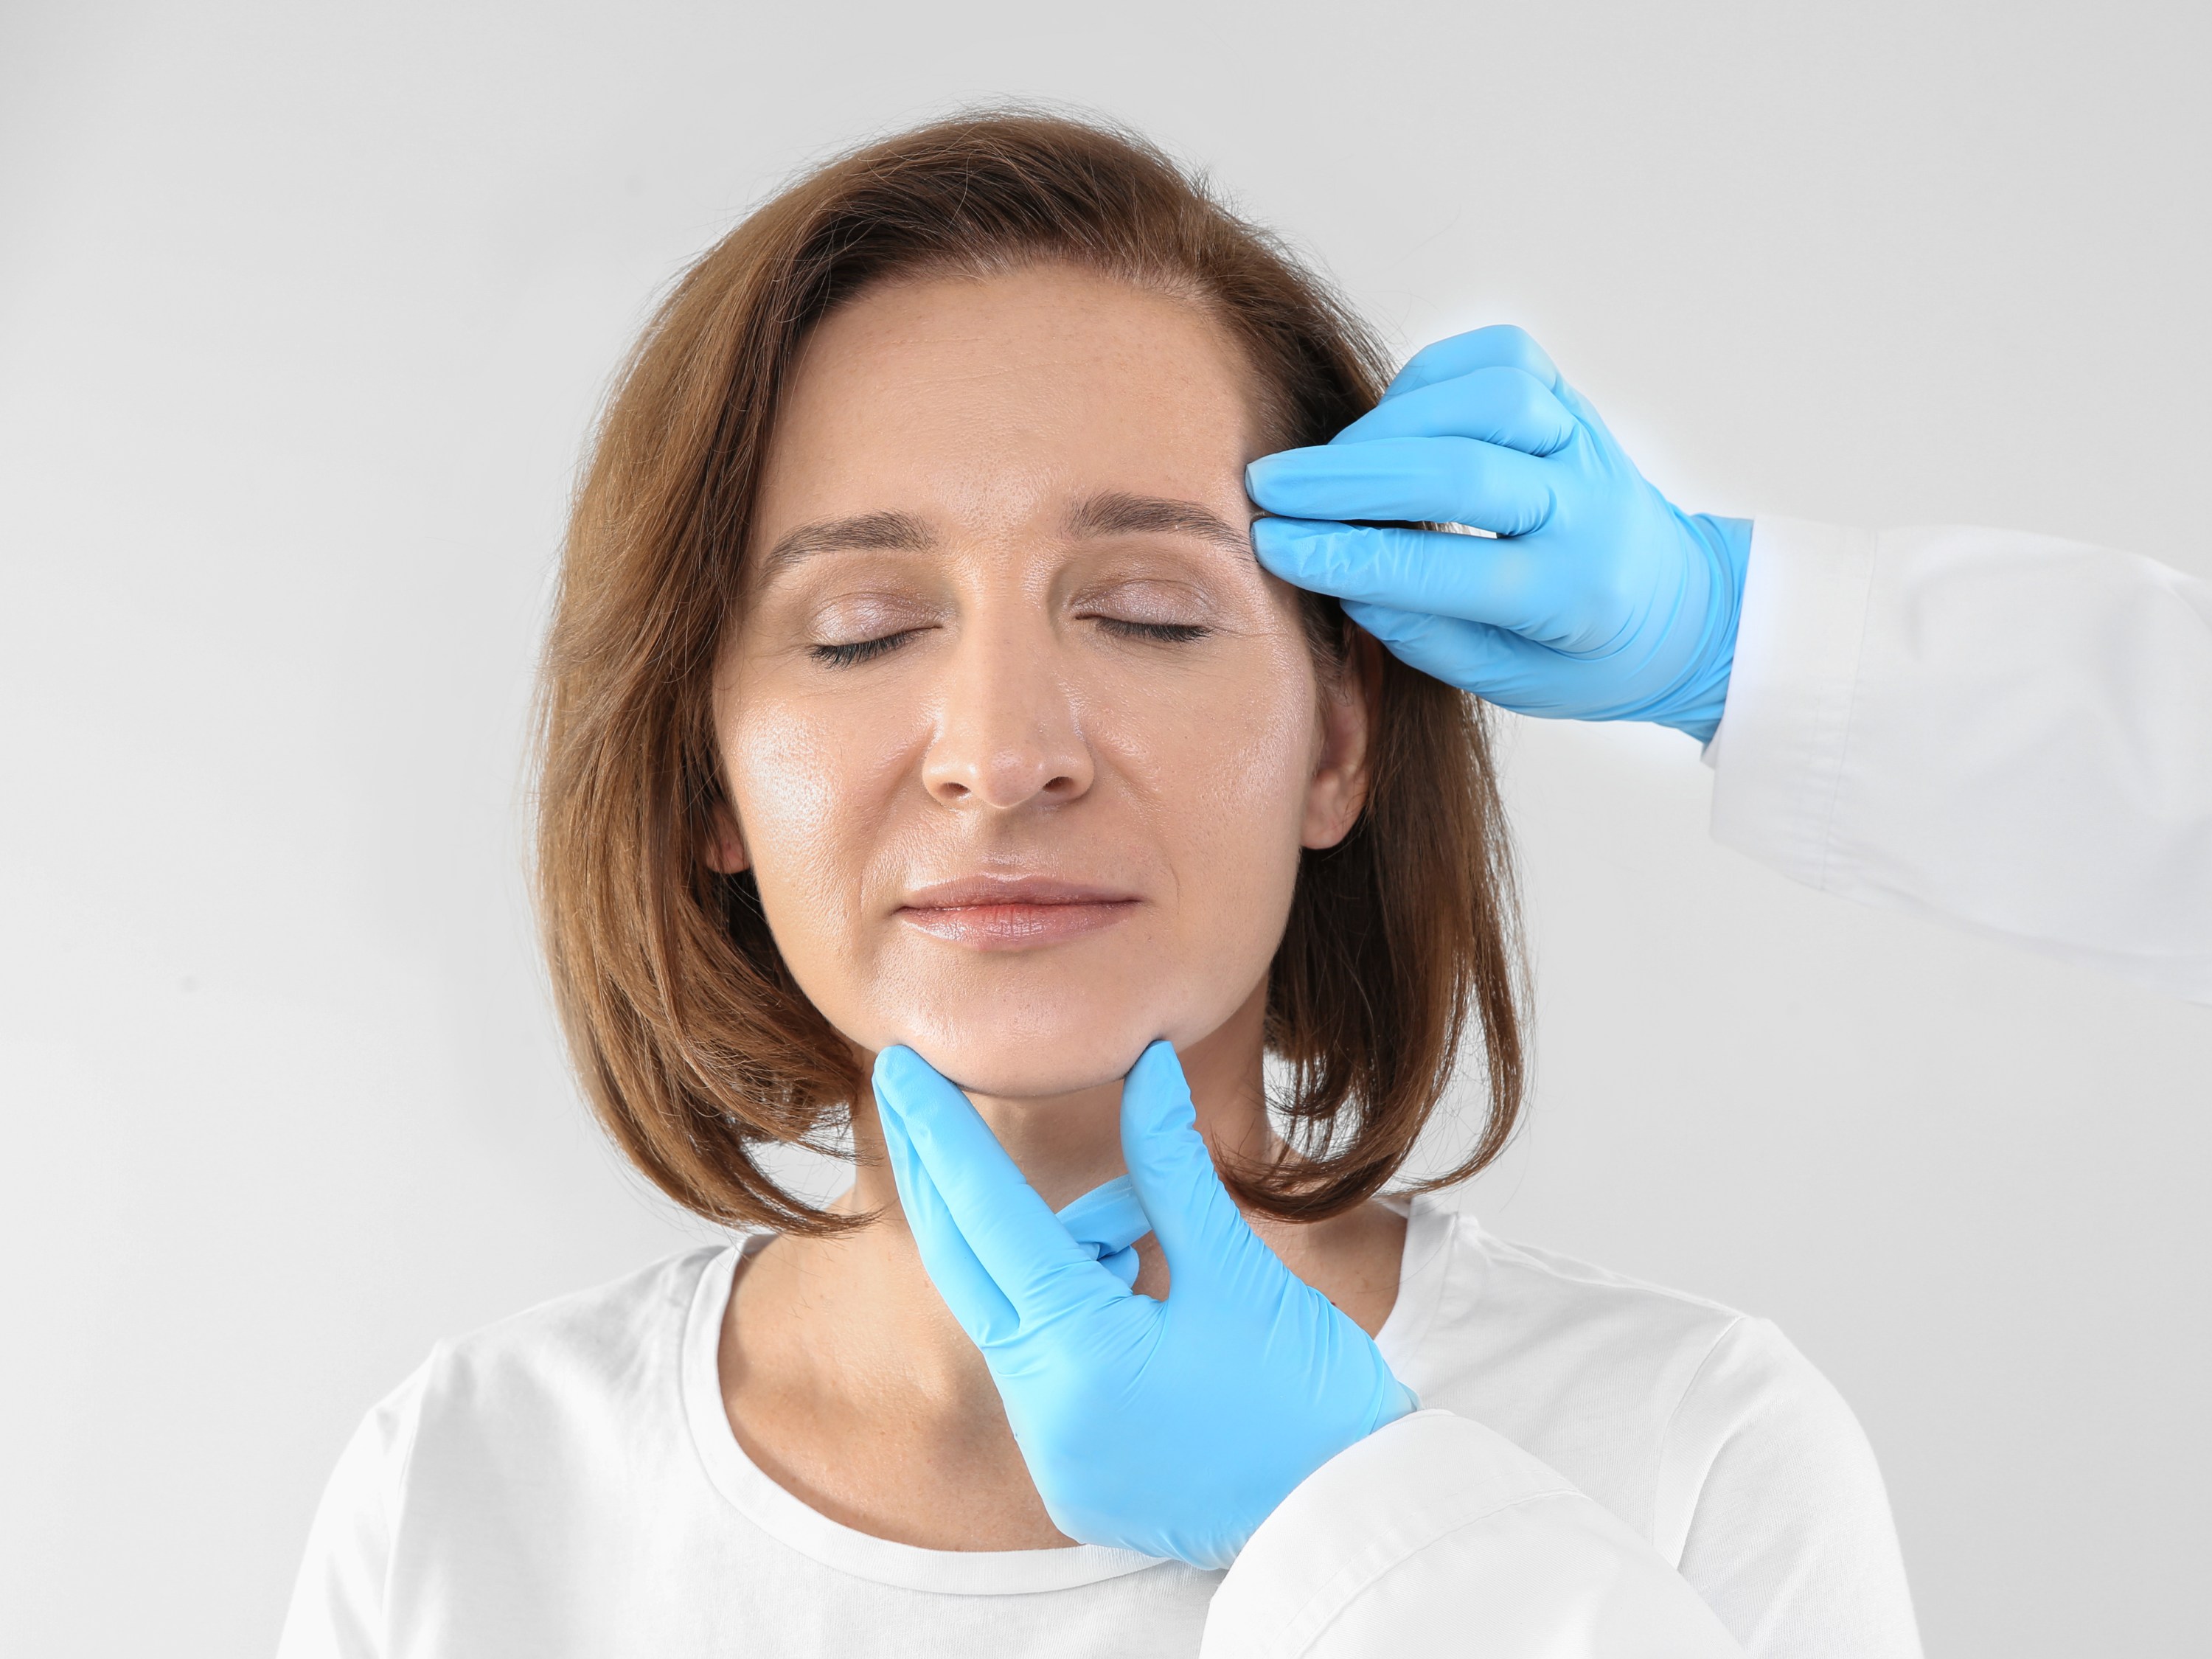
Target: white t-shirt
(565,1482)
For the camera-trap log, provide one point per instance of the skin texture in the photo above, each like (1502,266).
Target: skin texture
(1002,624)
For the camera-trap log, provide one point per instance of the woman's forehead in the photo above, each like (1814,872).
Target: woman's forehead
(1007,396)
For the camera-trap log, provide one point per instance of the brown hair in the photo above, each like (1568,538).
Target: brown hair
(694,1042)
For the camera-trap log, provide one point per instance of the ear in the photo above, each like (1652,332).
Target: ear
(1349,701)
(725,850)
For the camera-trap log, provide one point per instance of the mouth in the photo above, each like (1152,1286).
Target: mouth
(1013,913)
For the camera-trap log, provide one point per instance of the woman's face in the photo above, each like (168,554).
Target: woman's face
(1022,741)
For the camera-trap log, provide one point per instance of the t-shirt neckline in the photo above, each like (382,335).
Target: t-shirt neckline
(749,1490)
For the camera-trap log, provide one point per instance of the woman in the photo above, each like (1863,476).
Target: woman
(913,691)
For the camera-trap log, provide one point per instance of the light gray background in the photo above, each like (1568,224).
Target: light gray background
(306,312)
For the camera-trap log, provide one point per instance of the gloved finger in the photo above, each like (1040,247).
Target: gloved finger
(1109,1216)
(1122,1264)
(1109,1221)
(1501,345)
(1585,413)
(1031,1258)
(977,1304)
(1497,406)
(1201,1231)
(1442,480)
(1499,666)
(1474,577)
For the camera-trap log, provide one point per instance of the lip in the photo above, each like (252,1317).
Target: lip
(1014,913)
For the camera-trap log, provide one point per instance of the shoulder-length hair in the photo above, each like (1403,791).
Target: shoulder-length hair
(695,1044)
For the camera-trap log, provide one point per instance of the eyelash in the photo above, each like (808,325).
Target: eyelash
(1166,633)
(860,651)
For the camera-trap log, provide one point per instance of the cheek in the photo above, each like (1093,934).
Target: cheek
(1222,762)
(810,784)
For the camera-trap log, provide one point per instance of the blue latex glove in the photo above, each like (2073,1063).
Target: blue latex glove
(1172,1427)
(1600,600)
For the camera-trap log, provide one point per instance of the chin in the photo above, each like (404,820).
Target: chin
(996,1074)
(1028,1043)
(1029,1059)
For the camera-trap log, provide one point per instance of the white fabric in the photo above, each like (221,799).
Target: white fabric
(1438,1534)
(2008,732)
(566,1483)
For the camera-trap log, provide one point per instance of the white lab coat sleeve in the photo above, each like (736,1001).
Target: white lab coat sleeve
(1437,1535)
(2006,732)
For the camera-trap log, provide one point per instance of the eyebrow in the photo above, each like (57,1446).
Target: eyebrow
(875,532)
(1110,512)
(1116,513)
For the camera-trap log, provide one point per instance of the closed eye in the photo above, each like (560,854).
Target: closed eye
(852,652)
(1166,633)
(860,651)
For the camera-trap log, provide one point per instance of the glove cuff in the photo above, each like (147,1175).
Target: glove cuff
(1397,1400)
(1695,705)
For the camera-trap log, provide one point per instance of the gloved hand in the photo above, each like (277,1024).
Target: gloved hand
(1599,599)
(1170,1427)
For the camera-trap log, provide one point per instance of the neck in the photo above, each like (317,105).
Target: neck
(1065,1145)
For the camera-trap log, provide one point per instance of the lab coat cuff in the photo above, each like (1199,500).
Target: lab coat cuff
(1373,1506)
(1779,754)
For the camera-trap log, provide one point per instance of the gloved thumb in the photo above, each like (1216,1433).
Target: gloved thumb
(1201,1231)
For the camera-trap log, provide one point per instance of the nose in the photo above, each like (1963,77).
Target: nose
(1008,730)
